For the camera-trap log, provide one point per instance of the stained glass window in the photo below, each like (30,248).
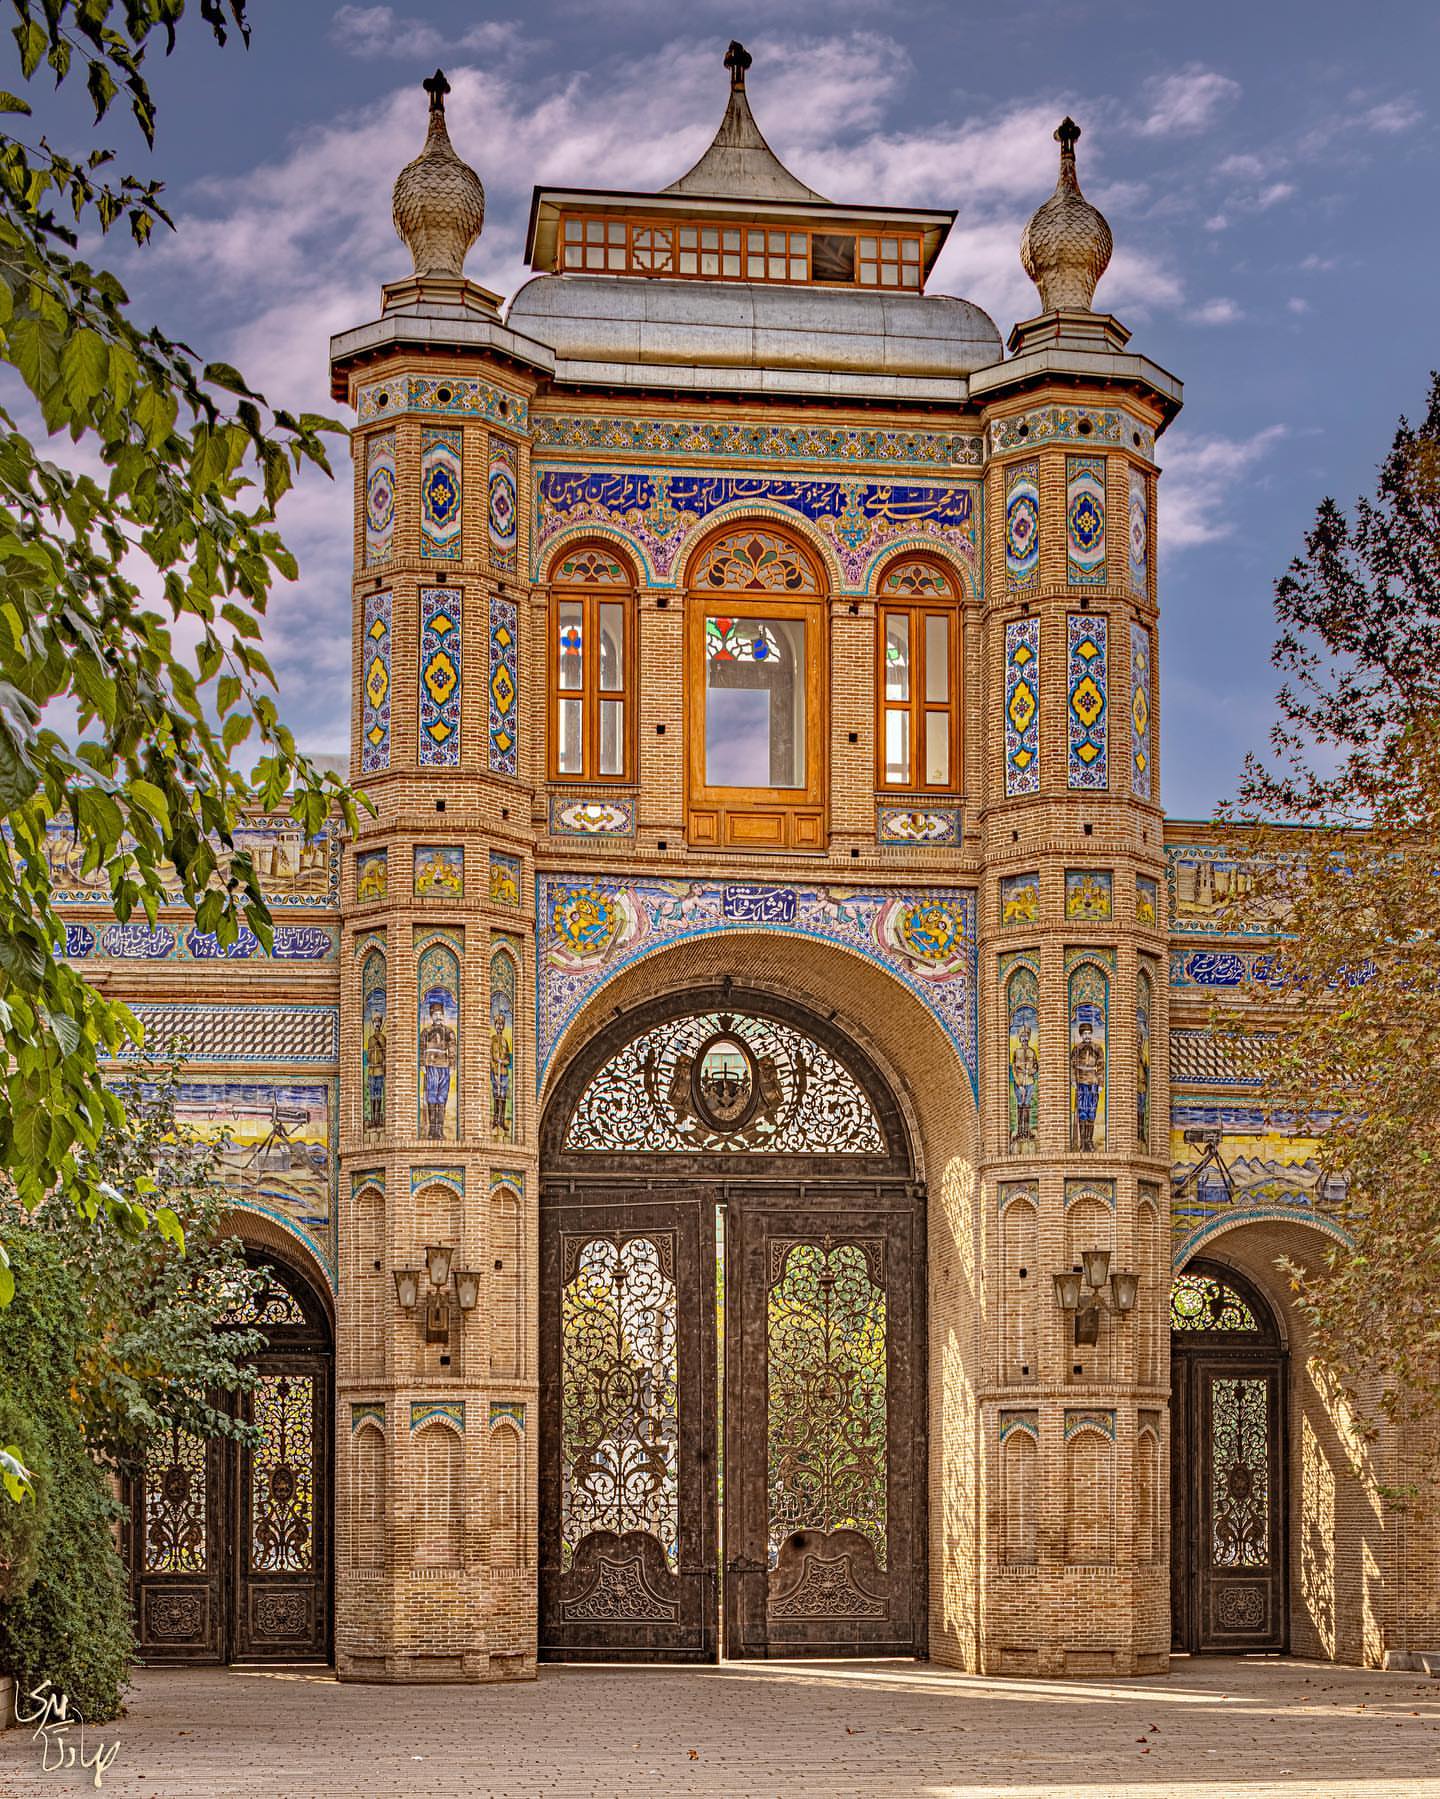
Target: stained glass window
(590,656)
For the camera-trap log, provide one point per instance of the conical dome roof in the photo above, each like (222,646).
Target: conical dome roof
(740,165)
(439,203)
(1066,247)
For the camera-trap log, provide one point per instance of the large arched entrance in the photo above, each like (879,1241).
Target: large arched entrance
(229,1546)
(732,1342)
(1228,1563)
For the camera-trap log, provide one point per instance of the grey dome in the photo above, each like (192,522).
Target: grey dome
(625,320)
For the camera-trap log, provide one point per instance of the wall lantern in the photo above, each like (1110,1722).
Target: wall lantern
(1082,1291)
(439,1258)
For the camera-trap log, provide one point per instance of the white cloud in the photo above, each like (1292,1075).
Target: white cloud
(1273,195)
(1215,312)
(1296,305)
(1314,265)
(1217,222)
(375,31)
(1187,102)
(1393,116)
(1199,473)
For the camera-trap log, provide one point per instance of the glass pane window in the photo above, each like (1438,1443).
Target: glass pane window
(937,656)
(897,747)
(572,644)
(937,749)
(897,655)
(918,687)
(754,701)
(591,674)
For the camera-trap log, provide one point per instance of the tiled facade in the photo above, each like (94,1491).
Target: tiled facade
(1036,894)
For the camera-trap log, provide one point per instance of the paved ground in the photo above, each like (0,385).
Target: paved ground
(1212,1730)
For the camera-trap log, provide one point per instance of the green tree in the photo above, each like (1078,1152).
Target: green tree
(95,573)
(1352,1021)
(114,1338)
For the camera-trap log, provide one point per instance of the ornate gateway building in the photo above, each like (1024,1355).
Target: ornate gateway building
(736,1139)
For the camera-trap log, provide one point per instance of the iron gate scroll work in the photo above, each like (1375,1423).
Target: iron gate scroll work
(816,1542)
(1228,1562)
(229,1547)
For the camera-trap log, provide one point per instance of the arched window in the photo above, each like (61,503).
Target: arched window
(756,756)
(591,660)
(917,682)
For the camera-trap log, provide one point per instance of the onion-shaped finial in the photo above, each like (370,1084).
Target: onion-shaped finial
(439,203)
(1067,245)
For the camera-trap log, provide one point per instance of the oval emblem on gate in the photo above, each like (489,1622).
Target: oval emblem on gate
(724,1082)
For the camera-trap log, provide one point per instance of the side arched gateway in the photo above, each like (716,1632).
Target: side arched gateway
(1228,1487)
(229,1545)
(732,1342)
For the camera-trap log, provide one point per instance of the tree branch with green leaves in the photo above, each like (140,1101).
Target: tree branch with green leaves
(156,519)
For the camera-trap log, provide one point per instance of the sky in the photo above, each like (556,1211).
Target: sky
(1267,170)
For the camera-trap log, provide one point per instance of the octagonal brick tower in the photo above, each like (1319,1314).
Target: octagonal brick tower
(1073,974)
(436,1396)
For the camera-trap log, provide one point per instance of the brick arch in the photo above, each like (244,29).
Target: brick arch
(286,1243)
(962,577)
(575,537)
(865,999)
(625,550)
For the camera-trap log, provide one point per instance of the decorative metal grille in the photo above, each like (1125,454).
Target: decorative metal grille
(827,1394)
(1239,1472)
(282,1476)
(176,1491)
(270,1304)
(1199,1302)
(753,561)
(669,1089)
(619,1392)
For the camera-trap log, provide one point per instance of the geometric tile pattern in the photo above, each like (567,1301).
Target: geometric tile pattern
(906,824)
(460,396)
(591,817)
(379,498)
(1139,527)
(1022,524)
(239,1034)
(440,665)
(1071,424)
(449,1412)
(501,505)
(504,687)
(759,441)
(1140,711)
(1202,1059)
(1022,706)
(1085,521)
(375,705)
(440,495)
(1085,701)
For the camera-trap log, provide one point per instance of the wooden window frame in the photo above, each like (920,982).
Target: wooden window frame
(627,245)
(590,599)
(917,609)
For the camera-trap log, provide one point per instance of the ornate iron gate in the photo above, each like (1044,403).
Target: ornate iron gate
(229,1547)
(1228,1560)
(814,1541)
